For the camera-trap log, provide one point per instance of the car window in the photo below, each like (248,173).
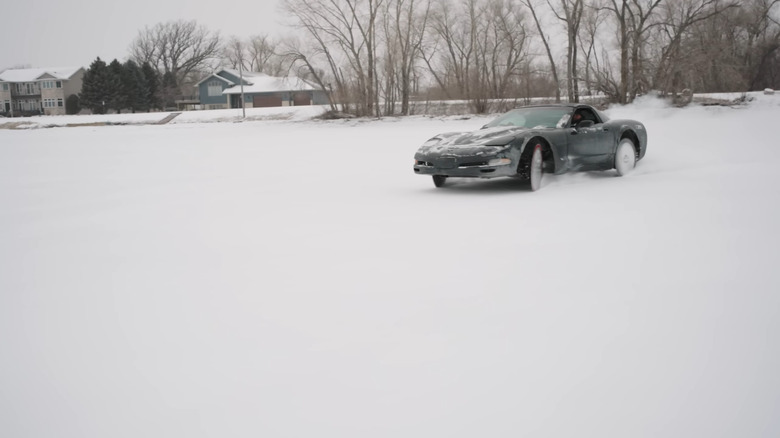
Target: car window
(583,114)
(538,118)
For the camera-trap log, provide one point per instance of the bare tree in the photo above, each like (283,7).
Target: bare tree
(762,42)
(642,13)
(677,19)
(477,51)
(622,13)
(302,60)
(405,24)
(262,55)
(506,50)
(571,16)
(633,19)
(180,48)
(233,54)
(345,32)
(258,53)
(452,33)
(553,69)
(591,23)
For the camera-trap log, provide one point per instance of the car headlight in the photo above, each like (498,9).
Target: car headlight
(499,162)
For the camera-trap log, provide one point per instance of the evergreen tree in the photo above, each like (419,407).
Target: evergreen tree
(72,104)
(117,96)
(152,86)
(94,87)
(134,87)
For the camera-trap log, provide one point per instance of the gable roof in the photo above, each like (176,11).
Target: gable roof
(215,76)
(33,74)
(262,83)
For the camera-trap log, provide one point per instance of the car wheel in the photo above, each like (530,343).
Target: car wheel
(438,180)
(536,169)
(625,157)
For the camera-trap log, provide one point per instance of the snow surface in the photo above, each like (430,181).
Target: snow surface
(297,279)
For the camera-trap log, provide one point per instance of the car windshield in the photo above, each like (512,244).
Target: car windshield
(552,117)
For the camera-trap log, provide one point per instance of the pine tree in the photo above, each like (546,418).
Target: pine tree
(152,79)
(94,87)
(134,86)
(72,104)
(117,96)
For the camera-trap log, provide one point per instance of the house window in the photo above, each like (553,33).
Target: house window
(5,87)
(59,103)
(59,85)
(215,88)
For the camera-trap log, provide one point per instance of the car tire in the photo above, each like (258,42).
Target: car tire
(438,180)
(625,157)
(536,169)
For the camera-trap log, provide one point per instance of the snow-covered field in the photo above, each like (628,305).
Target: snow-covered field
(297,279)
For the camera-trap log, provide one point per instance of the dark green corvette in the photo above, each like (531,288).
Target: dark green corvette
(529,141)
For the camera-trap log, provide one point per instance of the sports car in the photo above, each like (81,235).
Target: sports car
(529,141)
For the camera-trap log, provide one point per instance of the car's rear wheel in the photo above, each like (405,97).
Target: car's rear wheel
(625,157)
(438,180)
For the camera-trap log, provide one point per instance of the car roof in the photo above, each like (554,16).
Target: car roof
(556,105)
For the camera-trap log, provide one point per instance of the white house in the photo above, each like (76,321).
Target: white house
(38,90)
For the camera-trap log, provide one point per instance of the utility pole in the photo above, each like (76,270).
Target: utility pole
(241,76)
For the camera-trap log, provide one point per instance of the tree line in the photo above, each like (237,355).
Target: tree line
(164,61)
(376,53)
(120,86)
(378,57)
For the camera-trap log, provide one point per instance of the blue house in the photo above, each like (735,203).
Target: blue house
(223,90)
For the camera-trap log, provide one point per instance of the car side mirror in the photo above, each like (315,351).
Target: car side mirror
(585,124)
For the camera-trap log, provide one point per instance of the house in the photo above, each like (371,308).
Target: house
(38,90)
(223,90)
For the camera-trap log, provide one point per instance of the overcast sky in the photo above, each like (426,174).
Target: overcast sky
(64,33)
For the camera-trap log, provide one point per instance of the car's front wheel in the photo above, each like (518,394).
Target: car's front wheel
(536,169)
(438,180)
(531,168)
(625,157)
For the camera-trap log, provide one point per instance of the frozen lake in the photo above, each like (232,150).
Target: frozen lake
(297,279)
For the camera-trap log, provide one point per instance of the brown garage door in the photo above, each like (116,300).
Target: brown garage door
(266,101)
(301,99)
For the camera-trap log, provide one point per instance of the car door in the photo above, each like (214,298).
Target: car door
(590,142)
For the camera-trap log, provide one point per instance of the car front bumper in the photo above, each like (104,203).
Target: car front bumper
(464,170)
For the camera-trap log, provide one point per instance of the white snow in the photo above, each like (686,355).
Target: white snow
(34,74)
(297,279)
(263,83)
(206,116)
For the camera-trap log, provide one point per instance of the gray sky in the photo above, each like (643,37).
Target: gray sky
(59,33)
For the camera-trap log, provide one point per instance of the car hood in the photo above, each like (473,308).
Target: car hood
(482,142)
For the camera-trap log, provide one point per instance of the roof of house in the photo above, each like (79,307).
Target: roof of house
(215,76)
(262,83)
(33,74)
